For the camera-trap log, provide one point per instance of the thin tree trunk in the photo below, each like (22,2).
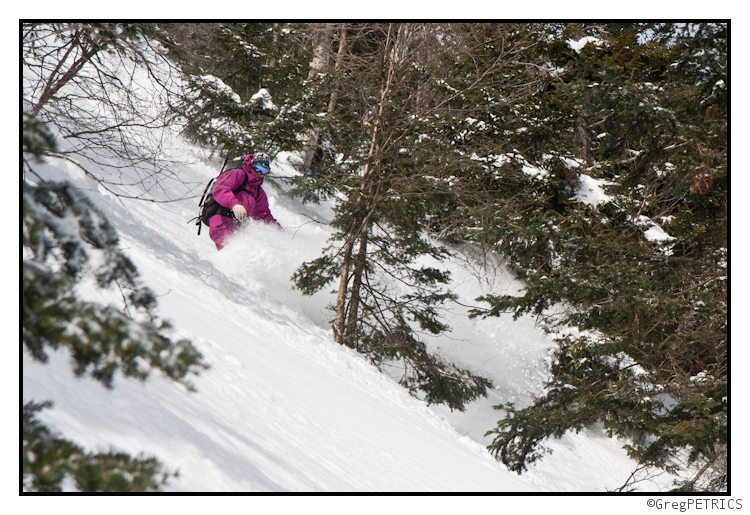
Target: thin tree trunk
(337,68)
(339,326)
(359,268)
(359,227)
(318,65)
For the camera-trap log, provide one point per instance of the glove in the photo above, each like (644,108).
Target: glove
(239,212)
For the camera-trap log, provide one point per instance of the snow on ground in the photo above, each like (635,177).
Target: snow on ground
(283,408)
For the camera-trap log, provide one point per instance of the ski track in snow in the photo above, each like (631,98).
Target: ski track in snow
(283,408)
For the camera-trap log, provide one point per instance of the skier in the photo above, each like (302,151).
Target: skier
(250,201)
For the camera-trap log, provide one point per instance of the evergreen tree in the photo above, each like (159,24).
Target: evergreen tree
(48,459)
(379,224)
(644,107)
(403,93)
(65,238)
(356,73)
(485,133)
(244,84)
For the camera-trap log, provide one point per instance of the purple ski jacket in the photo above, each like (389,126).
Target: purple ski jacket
(252,198)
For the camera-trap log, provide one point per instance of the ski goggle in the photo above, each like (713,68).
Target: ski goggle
(261,169)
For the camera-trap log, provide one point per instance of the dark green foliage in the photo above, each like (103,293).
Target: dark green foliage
(48,459)
(485,133)
(379,159)
(228,66)
(63,233)
(314,275)
(424,374)
(65,239)
(383,217)
(647,111)
(36,137)
(438,381)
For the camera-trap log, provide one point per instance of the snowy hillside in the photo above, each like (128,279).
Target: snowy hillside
(283,408)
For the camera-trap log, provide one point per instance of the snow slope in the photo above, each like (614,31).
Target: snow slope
(283,408)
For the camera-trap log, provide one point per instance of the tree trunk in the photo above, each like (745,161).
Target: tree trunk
(318,65)
(359,267)
(344,328)
(583,138)
(337,68)
(339,326)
